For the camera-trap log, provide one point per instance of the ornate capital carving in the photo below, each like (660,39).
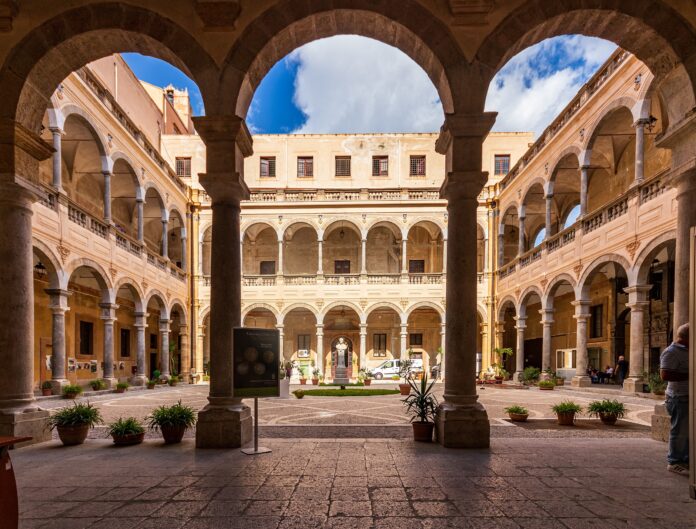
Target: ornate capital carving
(218,15)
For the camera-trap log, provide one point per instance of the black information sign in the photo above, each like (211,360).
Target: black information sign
(256,358)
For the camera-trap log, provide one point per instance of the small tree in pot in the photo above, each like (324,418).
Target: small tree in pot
(366,376)
(422,405)
(127,432)
(405,373)
(565,412)
(608,411)
(316,375)
(172,421)
(73,423)
(47,388)
(303,375)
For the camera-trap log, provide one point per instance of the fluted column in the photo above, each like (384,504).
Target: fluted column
(640,151)
(320,253)
(404,256)
(320,348)
(638,303)
(107,197)
(140,377)
(403,349)
(584,183)
(520,325)
(582,315)
(547,327)
(686,219)
(57,134)
(164,347)
(280,258)
(59,306)
(108,316)
(185,366)
(363,346)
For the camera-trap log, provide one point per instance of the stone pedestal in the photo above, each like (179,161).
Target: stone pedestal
(31,422)
(633,385)
(463,426)
(581,381)
(660,423)
(224,426)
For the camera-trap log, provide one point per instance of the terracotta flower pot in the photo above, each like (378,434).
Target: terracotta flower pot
(405,390)
(518,417)
(120,390)
(498,380)
(544,388)
(315,381)
(560,381)
(566,419)
(151,386)
(47,392)
(70,395)
(367,381)
(608,418)
(173,434)
(423,431)
(303,381)
(129,439)
(73,435)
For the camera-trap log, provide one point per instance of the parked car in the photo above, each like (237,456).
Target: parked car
(389,368)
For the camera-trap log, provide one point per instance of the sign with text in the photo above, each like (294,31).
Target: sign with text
(256,357)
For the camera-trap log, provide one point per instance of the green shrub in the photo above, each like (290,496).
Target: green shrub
(547,384)
(128,426)
(122,385)
(606,407)
(79,414)
(655,383)
(97,385)
(298,393)
(72,389)
(156,374)
(46,385)
(173,380)
(175,415)
(531,374)
(521,410)
(567,406)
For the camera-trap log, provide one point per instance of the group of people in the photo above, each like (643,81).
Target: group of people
(618,373)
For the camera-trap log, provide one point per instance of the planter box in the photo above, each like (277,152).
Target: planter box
(285,388)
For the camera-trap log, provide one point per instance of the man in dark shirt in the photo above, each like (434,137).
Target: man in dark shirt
(621,370)
(674,368)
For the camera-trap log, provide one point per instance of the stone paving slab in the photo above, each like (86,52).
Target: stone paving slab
(358,483)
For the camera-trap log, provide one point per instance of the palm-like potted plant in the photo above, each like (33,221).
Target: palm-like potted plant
(47,388)
(151,383)
(121,387)
(405,373)
(517,413)
(173,380)
(422,405)
(366,376)
(565,412)
(303,375)
(127,431)
(73,423)
(608,411)
(172,421)
(71,391)
(316,375)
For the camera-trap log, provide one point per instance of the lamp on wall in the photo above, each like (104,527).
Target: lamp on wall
(651,122)
(342,233)
(40,270)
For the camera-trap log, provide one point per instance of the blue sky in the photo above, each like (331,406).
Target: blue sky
(347,84)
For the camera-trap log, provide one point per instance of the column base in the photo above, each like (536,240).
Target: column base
(463,426)
(32,423)
(224,426)
(110,382)
(518,376)
(660,423)
(581,382)
(633,385)
(58,384)
(138,380)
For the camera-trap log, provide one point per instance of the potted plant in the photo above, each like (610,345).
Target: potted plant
(366,375)
(298,393)
(405,373)
(173,380)
(74,422)
(97,385)
(504,353)
(656,385)
(565,412)
(530,375)
(607,410)
(303,376)
(47,388)
(316,375)
(156,374)
(121,387)
(172,421)
(517,413)
(559,380)
(71,391)
(498,375)
(151,383)
(546,385)
(422,405)
(127,431)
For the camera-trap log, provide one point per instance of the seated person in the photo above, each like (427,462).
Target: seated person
(608,374)
(594,375)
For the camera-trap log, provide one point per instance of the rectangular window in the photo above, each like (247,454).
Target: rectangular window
(86,338)
(125,342)
(342,267)
(380,166)
(596,321)
(342,166)
(416,266)
(305,167)
(183,167)
(417,166)
(415,338)
(267,268)
(268,167)
(501,164)
(303,342)
(153,341)
(379,345)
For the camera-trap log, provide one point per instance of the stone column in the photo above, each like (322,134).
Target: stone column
(225,422)
(19,414)
(200,347)
(521,235)
(183,249)
(165,237)
(485,255)
(404,256)
(185,366)
(520,325)
(640,151)
(320,253)
(547,326)
(363,254)
(549,207)
(686,219)
(57,158)
(637,302)
(501,246)
(139,205)
(164,348)
(281,341)
(140,377)
(107,197)
(444,255)
(59,306)
(363,346)
(584,183)
(403,345)
(582,314)
(320,347)
(443,336)
(280,258)
(108,316)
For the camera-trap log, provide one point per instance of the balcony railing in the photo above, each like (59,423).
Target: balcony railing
(342,279)
(300,279)
(383,279)
(343,195)
(608,213)
(425,279)
(559,240)
(333,279)
(259,281)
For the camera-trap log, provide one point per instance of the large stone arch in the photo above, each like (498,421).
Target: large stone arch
(71,109)
(184,312)
(135,287)
(348,304)
(161,299)
(638,275)
(56,276)
(100,275)
(267,225)
(294,306)
(537,180)
(570,150)
(524,298)
(615,104)
(582,285)
(298,225)
(503,303)
(386,305)
(287,25)
(265,306)
(422,305)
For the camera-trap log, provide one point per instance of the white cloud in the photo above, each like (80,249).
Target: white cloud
(354,84)
(535,85)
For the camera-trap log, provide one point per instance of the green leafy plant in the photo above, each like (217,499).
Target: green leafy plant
(366,373)
(655,383)
(395,377)
(177,415)
(72,389)
(156,374)
(302,371)
(504,353)
(606,407)
(504,373)
(206,378)
(421,403)
(546,384)
(151,383)
(46,385)
(316,373)
(97,385)
(531,374)
(173,380)
(405,368)
(122,385)
(79,414)
(128,426)
(566,406)
(520,410)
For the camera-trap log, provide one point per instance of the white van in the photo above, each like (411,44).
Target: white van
(389,368)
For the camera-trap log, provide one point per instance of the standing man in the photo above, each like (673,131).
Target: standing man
(674,368)
(621,370)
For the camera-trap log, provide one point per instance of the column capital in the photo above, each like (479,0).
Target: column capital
(520,322)
(57,130)
(637,292)
(547,316)
(469,125)
(225,129)
(108,312)
(164,325)
(224,188)
(463,185)
(59,300)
